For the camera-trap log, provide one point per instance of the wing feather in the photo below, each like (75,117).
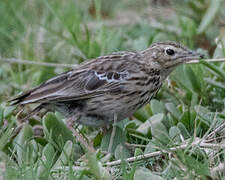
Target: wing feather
(93,78)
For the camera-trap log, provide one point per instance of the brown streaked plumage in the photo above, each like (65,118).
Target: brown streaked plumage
(119,83)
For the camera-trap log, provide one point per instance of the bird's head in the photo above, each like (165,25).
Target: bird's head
(167,55)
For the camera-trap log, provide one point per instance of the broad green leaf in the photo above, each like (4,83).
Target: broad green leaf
(148,109)
(65,155)
(119,138)
(144,128)
(183,130)
(157,106)
(189,73)
(173,110)
(158,129)
(171,170)
(146,174)
(209,15)
(56,130)
(96,168)
(175,133)
(48,157)
(132,124)
(141,114)
(21,144)
(179,76)
(121,152)
(170,120)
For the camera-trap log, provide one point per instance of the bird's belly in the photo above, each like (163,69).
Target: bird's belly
(104,111)
(100,111)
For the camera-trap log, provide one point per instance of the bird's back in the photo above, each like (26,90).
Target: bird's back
(117,83)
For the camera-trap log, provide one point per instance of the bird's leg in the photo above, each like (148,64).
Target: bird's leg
(112,134)
(105,129)
(78,135)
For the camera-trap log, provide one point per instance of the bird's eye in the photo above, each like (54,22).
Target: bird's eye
(170,52)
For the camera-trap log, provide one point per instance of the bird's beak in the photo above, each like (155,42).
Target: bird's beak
(184,58)
(193,55)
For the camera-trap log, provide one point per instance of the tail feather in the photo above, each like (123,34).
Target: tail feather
(41,92)
(17,100)
(33,112)
(25,119)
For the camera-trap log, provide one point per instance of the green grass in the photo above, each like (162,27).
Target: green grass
(186,110)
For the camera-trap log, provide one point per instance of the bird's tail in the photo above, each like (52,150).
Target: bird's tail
(19,99)
(25,120)
(32,113)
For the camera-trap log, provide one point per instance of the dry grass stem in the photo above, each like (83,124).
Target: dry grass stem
(216,130)
(197,142)
(218,170)
(29,62)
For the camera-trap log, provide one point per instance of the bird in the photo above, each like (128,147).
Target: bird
(120,83)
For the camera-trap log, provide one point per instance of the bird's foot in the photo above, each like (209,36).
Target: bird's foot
(79,137)
(112,134)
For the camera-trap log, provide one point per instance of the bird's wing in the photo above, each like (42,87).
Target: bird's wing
(90,79)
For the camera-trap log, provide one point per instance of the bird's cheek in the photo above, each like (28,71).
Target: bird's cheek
(162,60)
(155,55)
